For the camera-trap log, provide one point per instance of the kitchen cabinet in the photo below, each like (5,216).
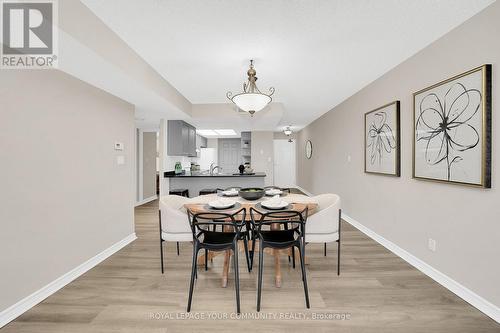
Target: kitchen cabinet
(181,138)
(201,142)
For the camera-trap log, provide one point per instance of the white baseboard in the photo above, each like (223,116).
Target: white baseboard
(28,302)
(466,294)
(145,201)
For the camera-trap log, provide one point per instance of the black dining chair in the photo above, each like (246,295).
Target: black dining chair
(279,230)
(204,237)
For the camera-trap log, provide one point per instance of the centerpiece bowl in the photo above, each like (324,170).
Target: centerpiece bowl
(252,193)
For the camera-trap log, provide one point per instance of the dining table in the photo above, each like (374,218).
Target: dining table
(297,202)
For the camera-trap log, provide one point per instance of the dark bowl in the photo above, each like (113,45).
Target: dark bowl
(252,193)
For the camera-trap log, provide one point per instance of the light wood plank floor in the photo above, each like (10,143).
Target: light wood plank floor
(127,293)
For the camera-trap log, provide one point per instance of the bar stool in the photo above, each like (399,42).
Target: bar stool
(180,191)
(209,191)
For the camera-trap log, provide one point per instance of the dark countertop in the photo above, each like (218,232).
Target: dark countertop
(257,174)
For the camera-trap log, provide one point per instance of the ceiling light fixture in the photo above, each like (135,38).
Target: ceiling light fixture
(288,132)
(205,132)
(251,99)
(217,132)
(225,132)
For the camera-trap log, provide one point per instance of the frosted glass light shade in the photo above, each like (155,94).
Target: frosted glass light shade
(251,101)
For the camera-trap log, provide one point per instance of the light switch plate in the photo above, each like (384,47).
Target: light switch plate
(120,159)
(431,244)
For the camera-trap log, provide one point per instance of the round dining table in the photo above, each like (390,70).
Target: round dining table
(297,202)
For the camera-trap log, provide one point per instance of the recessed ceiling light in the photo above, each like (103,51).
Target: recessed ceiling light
(221,132)
(206,132)
(225,132)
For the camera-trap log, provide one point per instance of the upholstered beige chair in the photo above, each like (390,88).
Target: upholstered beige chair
(174,223)
(324,225)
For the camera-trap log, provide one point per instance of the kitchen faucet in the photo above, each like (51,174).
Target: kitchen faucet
(212,169)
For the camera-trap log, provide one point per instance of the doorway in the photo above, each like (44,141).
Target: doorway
(229,155)
(147,168)
(284,166)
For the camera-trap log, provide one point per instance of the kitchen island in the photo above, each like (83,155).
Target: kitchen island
(196,182)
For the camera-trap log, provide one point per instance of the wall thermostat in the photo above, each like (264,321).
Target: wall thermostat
(118,145)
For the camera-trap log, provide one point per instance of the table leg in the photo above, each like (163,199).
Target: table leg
(211,255)
(277,268)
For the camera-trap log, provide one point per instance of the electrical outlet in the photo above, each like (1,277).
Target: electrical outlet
(431,244)
(349,158)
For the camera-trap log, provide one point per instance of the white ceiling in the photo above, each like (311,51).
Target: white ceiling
(315,53)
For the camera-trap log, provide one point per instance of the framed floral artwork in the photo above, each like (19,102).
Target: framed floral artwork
(452,130)
(382,142)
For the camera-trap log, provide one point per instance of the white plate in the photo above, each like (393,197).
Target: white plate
(221,204)
(272,205)
(274,192)
(230,193)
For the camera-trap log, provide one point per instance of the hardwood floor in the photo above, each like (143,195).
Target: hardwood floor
(376,291)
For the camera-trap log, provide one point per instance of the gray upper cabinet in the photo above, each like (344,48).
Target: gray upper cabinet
(174,138)
(191,147)
(181,138)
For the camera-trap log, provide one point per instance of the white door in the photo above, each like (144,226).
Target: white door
(284,163)
(229,155)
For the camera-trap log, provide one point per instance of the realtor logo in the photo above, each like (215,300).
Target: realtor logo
(29,34)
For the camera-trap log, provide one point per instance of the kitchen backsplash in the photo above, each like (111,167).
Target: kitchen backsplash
(207,156)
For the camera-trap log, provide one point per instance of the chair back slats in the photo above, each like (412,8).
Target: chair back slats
(289,219)
(205,222)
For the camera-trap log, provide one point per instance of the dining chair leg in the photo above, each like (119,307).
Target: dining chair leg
(338,257)
(178,248)
(193,273)
(206,260)
(245,243)
(324,249)
(293,257)
(286,228)
(338,242)
(261,267)
(161,255)
(304,277)
(252,253)
(236,277)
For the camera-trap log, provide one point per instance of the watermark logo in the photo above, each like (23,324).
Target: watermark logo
(29,34)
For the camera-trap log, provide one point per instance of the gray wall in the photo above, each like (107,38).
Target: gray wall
(148,165)
(465,221)
(262,154)
(63,197)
